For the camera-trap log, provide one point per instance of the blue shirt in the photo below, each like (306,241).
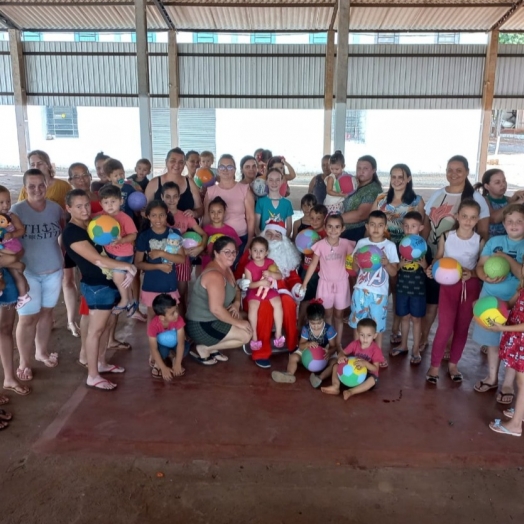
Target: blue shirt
(127,189)
(265,208)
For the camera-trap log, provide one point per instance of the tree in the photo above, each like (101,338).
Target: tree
(511,38)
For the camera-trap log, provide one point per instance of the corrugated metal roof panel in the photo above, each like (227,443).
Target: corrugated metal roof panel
(516,22)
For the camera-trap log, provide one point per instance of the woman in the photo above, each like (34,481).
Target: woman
(56,189)
(99,292)
(441,209)
(192,163)
(100,160)
(248,169)
(240,212)
(358,205)
(317,186)
(213,317)
(190,202)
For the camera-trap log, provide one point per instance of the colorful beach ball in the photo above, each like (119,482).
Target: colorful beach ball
(259,187)
(369,258)
(305,240)
(213,238)
(412,247)
(447,271)
(313,359)
(103,229)
(490,309)
(496,267)
(349,375)
(168,338)
(349,266)
(190,239)
(347,183)
(204,178)
(137,201)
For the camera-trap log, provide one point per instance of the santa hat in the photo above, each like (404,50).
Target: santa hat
(276,225)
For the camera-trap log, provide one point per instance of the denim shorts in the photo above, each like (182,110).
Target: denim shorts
(127,258)
(410,305)
(10,294)
(99,297)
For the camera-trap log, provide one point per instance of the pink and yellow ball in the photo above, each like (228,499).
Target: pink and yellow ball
(446,271)
(489,310)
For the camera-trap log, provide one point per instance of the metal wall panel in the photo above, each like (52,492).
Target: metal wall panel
(509,82)
(6,79)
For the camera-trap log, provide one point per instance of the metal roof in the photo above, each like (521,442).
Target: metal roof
(264,15)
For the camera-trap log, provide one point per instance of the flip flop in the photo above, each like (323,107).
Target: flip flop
(509,413)
(397,352)
(478,387)
(5,416)
(19,390)
(131,309)
(97,385)
(217,355)
(120,346)
(509,396)
(209,361)
(25,375)
(113,369)
(395,340)
(415,360)
(156,373)
(497,427)
(83,364)
(51,361)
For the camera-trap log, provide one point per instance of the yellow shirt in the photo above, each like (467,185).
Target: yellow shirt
(57,192)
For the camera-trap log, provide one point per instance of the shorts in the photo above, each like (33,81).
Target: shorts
(164,350)
(207,333)
(99,297)
(183,271)
(126,258)
(147,297)
(432,291)
(334,294)
(483,336)
(365,304)
(44,291)
(68,262)
(312,285)
(410,305)
(10,293)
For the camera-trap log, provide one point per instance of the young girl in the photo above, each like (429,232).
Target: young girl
(333,284)
(334,199)
(512,353)
(307,203)
(217,211)
(314,334)
(182,222)
(159,277)
(261,271)
(11,230)
(456,301)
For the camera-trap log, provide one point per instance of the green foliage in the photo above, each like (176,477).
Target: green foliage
(511,38)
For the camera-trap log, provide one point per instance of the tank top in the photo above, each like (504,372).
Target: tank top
(198,309)
(235,198)
(497,203)
(465,252)
(186,198)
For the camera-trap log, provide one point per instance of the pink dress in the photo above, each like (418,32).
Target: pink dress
(256,273)
(512,344)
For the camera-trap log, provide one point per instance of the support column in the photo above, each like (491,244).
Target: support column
(488,92)
(341,82)
(328,90)
(174,87)
(142,65)
(20,96)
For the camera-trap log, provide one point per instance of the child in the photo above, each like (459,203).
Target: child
(217,211)
(207,159)
(11,230)
(100,160)
(161,347)
(307,203)
(410,301)
(511,247)
(370,296)
(273,205)
(455,303)
(261,288)
(182,222)
(314,334)
(142,170)
(368,355)
(122,248)
(333,284)
(159,277)
(114,170)
(334,199)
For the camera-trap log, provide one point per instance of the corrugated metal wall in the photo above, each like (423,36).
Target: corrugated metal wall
(265,76)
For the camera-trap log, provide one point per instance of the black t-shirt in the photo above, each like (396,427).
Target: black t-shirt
(91,275)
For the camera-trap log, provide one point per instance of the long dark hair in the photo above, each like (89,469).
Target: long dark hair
(468,190)
(486,179)
(146,223)
(409,195)
(373,162)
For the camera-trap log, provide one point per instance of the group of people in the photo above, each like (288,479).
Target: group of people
(250,279)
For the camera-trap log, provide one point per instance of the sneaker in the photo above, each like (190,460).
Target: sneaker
(263,363)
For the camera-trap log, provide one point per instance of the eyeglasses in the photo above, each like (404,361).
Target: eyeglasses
(229,252)
(222,167)
(79,177)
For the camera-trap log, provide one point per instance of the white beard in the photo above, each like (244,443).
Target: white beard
(285,255)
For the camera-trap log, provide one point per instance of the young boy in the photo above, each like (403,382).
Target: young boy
(368,355)
(114,170)
(410,302)
(122,248)
(370,295)
(165,333)
(207,159)
(142,170)
(273,205)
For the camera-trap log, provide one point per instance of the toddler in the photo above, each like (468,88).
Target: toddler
(307,203)
(142,170)
(335,196)
(114,170)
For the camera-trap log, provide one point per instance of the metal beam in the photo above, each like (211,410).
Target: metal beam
(142,64)
(329,74)
(20,96)
(341,82)
(488,92)
(7,21)
(504,18)
(164,14)
(174,86)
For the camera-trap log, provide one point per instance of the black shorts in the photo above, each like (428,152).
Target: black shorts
(207,333)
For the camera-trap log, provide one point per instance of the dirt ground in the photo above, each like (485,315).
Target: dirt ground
(129,487)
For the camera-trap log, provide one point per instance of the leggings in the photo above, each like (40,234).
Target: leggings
(454,317)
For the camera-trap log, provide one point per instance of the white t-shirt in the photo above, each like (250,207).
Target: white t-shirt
(378,281)
(465,252)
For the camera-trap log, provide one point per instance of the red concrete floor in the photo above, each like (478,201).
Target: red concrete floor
(234,410)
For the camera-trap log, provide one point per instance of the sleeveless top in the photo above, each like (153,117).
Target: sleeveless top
(235,198)
(465,252)
(497,203)
(395,215)
(198,309)
(186,198)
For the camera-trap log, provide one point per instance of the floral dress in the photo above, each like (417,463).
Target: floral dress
(512,344)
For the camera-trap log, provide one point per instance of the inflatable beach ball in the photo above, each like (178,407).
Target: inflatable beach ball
(496,267)
(305,240)
(204,178)
(168,338)
(190,239)
(259,187)
(349,266)
(488,310)
(412,247)
(137,201)
(103,229)
(347,184)
(349,375)
(369,258)
(447,271)
(213,238)
(313,359)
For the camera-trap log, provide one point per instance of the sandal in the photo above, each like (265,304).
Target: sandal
(432,379)
(111,369)
(397,352)
(98,385)
(505,398)
(279,342)
(120,346)
(74,329)
(423,346)
(25,375)
(5,416)
(255,345)
(22,301)
(117,310)
(415,360)
(209,361)
(132,308)
(217,355)
(395,339)
(155,372)
(483,387)
(497,427)
(455,377)
(19,390)
(509,413)
(51,361)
